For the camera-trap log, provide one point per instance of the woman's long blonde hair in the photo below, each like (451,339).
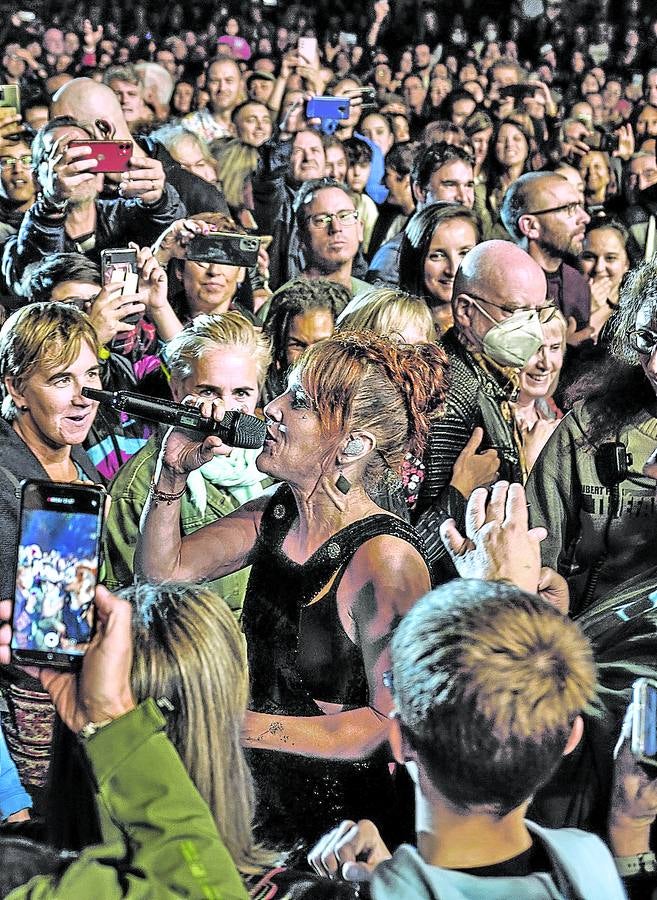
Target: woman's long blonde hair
(189,649)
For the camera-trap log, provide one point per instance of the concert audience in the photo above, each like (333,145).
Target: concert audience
(530,127)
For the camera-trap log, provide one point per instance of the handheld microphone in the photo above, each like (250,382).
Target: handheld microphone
(235,429)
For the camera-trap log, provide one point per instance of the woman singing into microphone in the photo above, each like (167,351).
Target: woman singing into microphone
(331,576)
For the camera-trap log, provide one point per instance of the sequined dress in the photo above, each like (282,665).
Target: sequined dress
(298,653)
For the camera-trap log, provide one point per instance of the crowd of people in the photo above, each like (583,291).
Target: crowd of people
(392,652)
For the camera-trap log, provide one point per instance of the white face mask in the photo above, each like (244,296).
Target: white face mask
(513,341)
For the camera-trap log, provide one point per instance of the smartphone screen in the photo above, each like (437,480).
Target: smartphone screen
(644,720)
(224,248)
(56,573)
(119,266)
(111,156)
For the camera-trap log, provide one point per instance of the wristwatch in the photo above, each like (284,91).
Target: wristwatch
(641,863)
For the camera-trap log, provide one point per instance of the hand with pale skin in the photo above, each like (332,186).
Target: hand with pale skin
(172,243)
(351,851)
(574,337)
(144,180)
(498,542)
(66,169)
(535,437)
(473,469)
(110,308)
(11,128)
(181,453)
(153,287)
(381,10)
(91,36)
(626,144)
(550,106)
(633,807)
(102,690)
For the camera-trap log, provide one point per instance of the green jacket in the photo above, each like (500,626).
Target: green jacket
(129,491)
(159,838)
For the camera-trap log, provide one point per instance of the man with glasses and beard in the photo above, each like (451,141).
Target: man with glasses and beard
(544,215)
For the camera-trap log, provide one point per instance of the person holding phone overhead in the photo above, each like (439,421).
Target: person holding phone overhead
(68,215)
(48,353)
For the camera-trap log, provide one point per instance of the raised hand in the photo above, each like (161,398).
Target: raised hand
(498,543)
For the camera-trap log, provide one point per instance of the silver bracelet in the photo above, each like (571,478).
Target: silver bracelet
(640,863)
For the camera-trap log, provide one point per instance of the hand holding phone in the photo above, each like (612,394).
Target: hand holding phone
(103,690)
(119,266)
(143,180)
(56,572)
(113,313)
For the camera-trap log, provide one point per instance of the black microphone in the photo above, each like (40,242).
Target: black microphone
(235,429)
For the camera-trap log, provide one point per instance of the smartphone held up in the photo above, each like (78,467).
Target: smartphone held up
(56,573)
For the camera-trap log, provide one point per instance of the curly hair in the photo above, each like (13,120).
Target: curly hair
(360,380)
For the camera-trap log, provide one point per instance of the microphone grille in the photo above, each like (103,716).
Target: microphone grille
(249,432)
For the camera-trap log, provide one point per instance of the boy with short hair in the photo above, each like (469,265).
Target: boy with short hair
(359,167)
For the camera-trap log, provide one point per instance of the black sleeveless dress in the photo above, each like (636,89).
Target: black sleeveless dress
(299,652)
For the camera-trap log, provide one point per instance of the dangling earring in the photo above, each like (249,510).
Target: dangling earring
(343,484)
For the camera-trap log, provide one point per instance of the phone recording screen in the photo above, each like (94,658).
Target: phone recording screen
(55,581)
(650,730)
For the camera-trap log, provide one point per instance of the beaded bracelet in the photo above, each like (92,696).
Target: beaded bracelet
(162,496)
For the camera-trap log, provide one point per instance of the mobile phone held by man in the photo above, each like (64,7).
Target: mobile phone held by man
(56,573)
(110,156)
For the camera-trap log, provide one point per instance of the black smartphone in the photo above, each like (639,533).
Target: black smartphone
(56,573)
(224,248)
(517,91)
(119,265)
(644,721)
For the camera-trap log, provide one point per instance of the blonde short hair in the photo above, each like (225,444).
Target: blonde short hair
(387,311)
(211,332)
(43,336)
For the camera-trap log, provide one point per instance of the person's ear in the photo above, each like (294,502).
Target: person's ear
(576,733)
(419,195)
(462,308)
(241,275)
(397,739)
(14,392)
(355,446)
(528,226)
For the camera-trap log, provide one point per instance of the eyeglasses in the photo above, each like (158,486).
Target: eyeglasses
(570,208)
(324,220)
(9,162)
(642,340)
(545,313)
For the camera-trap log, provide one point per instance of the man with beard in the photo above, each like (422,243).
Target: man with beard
(544,214)
(641,214)
(224,84)
(330,232)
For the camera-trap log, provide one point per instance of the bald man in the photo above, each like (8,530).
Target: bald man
(98,108)
(499,302)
